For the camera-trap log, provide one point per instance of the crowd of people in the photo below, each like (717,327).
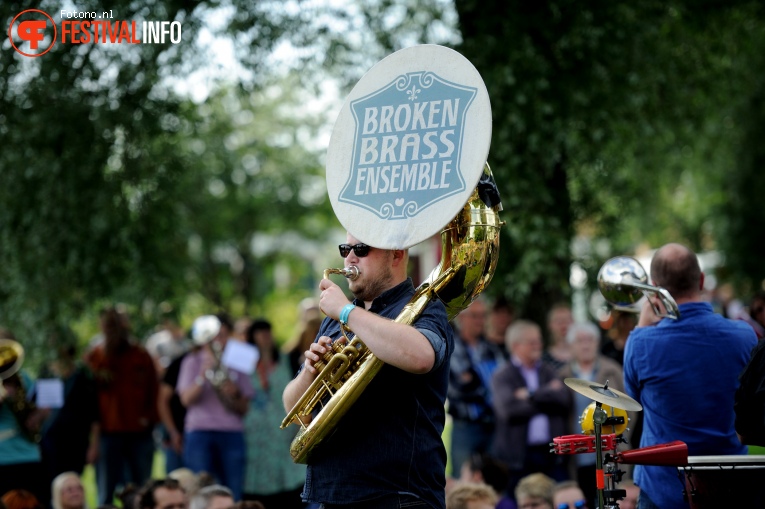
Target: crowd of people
(123,400)
(181,489)
(497,378)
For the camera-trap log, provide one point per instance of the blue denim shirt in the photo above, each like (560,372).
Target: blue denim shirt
(389,441)
(685,373)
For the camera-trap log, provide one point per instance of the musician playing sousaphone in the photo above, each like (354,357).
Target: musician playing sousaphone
(216,399)
(406,154)
(20,461)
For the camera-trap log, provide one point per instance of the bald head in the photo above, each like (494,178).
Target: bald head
(676,268)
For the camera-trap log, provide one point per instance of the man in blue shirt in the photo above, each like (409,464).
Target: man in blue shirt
(684,372)
(386,451)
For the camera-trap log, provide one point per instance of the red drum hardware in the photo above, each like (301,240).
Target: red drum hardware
(608,412)
(580,444)
(710,482)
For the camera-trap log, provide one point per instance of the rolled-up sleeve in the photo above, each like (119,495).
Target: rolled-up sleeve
(434,325)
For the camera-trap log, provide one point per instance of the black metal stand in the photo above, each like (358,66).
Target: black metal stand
(607,495)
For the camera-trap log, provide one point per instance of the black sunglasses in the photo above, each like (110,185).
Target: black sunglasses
(361,250)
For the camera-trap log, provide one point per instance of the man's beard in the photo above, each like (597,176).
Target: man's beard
(369,290)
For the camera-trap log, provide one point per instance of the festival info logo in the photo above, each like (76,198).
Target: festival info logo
(32,27)
(407,145)
(33,32)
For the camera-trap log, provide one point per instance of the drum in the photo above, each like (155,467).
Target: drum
(724,481)
(616,424)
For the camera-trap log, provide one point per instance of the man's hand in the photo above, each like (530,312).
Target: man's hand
(315,353)
(521,393)
(229,389)
(648,316)
(7,391)
(297,387)
(332,299)
(91,455)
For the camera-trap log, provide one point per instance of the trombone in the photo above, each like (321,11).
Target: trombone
(623,282)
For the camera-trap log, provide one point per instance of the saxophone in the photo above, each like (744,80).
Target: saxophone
(469,247)
(204,332)
(219,373)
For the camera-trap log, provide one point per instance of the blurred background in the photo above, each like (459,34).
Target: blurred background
(183,179)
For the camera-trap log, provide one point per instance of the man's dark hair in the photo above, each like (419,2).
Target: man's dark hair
(500,303)
(225,320)
(676,268)
(494,471)
(260,324)
(146,498)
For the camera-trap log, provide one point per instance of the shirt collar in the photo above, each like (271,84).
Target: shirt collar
(388,296)
(689,309)
(518,364)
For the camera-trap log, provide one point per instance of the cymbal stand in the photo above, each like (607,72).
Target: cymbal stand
(607,494)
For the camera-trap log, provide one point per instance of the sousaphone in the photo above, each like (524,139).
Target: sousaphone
(11,359)
(407,160)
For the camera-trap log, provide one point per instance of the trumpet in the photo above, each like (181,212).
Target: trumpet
(623,281)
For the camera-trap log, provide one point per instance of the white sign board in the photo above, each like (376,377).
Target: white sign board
(408,146)
(240,356)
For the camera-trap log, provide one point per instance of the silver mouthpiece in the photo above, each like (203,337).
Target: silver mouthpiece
(351,272)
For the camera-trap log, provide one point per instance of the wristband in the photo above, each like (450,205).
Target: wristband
(345,313)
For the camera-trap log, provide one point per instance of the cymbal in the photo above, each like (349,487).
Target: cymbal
(603,394)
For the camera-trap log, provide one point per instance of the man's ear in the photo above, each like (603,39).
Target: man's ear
(399,255)
(701,282)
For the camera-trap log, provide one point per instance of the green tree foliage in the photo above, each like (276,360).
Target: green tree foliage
(743,214)
(116,188)
(602,111)
(624,122)
(254,176)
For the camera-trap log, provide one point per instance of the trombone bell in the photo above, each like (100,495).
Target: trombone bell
(623,282)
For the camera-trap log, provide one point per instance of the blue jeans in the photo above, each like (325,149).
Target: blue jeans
(468,438)
(646,503)
(123,458)
(219,453)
